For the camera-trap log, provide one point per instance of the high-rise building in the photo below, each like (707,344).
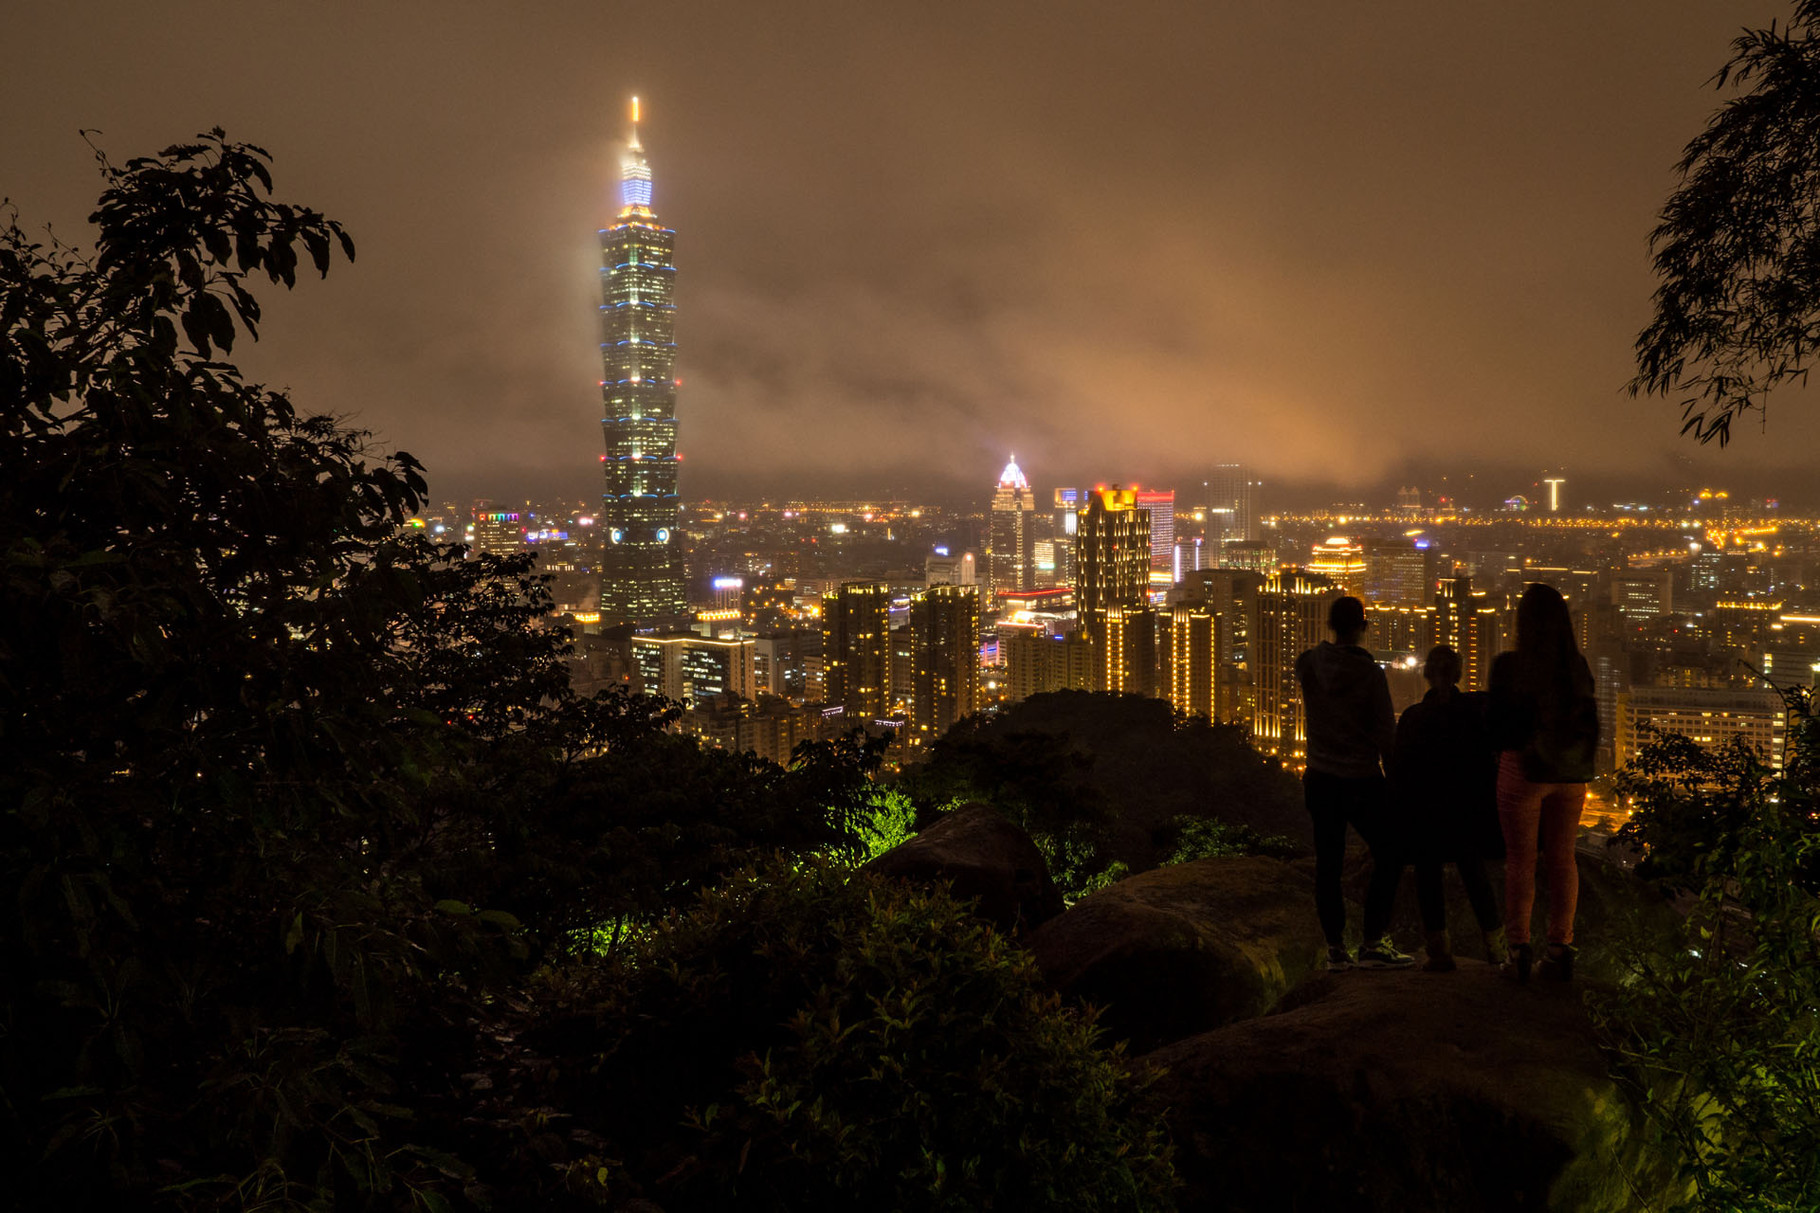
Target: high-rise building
(1399,572)
(1231,504)
(1466,620)
(497,531)
(693,668)
(1709,717)
(1643,594)
(856,649)
(1292,616)
(1010,536)
(1196,661)
(641,575)
(1036,663)
(1341,560)
(944,631)
(1112,552)
(1112,594)
(1160,504)
(1064,523)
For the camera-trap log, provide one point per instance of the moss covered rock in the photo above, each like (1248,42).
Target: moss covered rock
(1181,949)
(1401,1090)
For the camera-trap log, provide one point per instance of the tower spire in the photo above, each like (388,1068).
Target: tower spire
(634,172)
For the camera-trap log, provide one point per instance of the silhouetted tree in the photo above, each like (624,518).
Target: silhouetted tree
(288,794)
(1738,246)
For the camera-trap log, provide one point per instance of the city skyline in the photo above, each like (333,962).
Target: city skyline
(1471,286)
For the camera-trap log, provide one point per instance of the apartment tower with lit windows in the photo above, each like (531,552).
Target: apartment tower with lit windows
(641,570)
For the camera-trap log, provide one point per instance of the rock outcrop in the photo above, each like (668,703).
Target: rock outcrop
(979,856)
(1181,949)
(1405,1090)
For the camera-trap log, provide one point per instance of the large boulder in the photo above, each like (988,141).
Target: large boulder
(1181,949)
(1615,906)
(1404,1090)
(980,856)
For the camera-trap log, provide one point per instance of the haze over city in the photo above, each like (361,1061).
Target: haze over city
(1351,248)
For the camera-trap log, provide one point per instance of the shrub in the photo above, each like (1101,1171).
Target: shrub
(1190,838)
(1716,1033)
(801,1040)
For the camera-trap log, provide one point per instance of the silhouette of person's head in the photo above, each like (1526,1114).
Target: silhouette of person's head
(1442,668)
(1346,619)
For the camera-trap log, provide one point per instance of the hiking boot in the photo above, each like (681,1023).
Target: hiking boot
(1440,954)
(1558,962)
(1338,960)
(1497,948)
(1381,954)
(1516,965)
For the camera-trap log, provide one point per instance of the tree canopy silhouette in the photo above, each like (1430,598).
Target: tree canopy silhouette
(1737,249)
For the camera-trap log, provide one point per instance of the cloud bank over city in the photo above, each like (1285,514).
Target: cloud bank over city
(1123,242)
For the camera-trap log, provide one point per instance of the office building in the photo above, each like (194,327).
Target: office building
(1231,505)
(1341,560)
(1036,663)
(1643,594)
(1292,617)
(1468,621)
(1399,572)
(1112,552)
(1160,505)
(1196,661)
(641,577)
(1712,718)
(1010,536)
(945,660)
(1064,523)
(856,650)
(688,667)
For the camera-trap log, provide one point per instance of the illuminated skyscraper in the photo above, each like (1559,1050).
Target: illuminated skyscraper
(1010,536)
(641,574)
(1342,561)
(1292,616)
(1160,504)
(1112,552)
(856,649)
(945,631)
(1112,595)
(1231,504)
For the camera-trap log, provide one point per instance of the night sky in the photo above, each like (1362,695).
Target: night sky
(1348,243)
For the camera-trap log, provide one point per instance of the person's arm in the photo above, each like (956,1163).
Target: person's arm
(1383,718)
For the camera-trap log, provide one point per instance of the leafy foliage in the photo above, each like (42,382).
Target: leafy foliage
(1211,838)
(1718,1034)
(1738,247)
(1101,782)
(799,1039)
(287,799)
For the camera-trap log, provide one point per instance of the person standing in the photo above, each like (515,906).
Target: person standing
(1545,723)
(1444,775)
(1351,729)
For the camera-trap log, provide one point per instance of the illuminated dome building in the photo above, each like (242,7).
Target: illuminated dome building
(1011,536)
(641,578)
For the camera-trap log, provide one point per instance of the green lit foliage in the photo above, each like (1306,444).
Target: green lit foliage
(888,821)
(800,1039)
(1737,313)
(1718,1033)
(1210,838)
(1100,782)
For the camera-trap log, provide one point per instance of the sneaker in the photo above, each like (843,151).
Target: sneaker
(1338,960)
(1517,966)
(1382,955)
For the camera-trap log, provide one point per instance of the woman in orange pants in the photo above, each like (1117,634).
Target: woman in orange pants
(1545,720)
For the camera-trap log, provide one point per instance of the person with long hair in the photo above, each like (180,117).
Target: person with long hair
(1545,723)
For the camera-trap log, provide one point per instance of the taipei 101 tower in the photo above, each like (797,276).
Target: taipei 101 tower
(641,571)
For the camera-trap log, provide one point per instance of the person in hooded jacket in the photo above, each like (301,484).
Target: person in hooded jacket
(1545,723)
(1351,730)
(1444,777)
